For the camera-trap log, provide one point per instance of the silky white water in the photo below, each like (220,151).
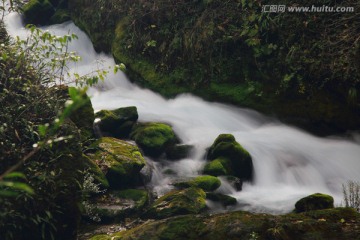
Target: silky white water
(288,163)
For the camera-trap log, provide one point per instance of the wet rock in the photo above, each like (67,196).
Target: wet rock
(334,224)
(118,205)
(225,200)
(230,157)
(315,201)
(153,138)
(206,182)
(179,202)
(117,123)
(179,151)
(121,162)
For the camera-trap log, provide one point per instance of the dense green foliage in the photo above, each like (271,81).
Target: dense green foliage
(44,129)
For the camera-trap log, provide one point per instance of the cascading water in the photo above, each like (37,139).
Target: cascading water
(288,162)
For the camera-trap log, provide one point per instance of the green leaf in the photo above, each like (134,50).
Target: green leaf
(15,175)
(73,92)
(17,186)
(42,130)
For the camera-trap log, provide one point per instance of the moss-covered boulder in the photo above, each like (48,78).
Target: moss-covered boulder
(187,201)
(153,138)
(118,122)
(217,167)
(117,205)
(207,183)
(95,172)
(333,224)
(84,118)
(231,158)
(38,11)
(224,200)
(120,160)
(315,201)
(179,151)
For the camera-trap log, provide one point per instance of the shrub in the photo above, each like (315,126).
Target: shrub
(351,192)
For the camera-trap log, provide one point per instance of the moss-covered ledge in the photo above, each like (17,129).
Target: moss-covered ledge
(333,224)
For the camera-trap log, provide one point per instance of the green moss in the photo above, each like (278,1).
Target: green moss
(121,160)
(96,172)
(207,183)
(153,138)
(187,201)
(217,167)
(101,237)
(38,11)
(225,200)
(60,16)
(140,197)
(178,151)
(334,224)
(234,158)
(118,122)
(315,201)
(84,118)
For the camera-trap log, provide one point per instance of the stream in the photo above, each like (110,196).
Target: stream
(289,163)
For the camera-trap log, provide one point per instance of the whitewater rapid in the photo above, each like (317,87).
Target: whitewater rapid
(289,163)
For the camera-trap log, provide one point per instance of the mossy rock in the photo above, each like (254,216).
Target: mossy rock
(60,16)
(118,122)
(179,151)
(207,183)
(225,200)
(315,201)
(115,206)
(333,224)
(38,11)
(235,159)
(120,160)
(93,169)
(84,118)
(179,202)
(218,167)
(153,138)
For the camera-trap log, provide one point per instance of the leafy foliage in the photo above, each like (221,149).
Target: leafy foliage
(351,193)
(38,137)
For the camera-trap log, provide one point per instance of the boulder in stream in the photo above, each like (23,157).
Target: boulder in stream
(315,201)
(206,182)
(114,206)
(120,160)
(153,138)
(117,123)
(230,158)
(178,202)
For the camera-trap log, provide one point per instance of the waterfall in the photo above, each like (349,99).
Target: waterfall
(289,163)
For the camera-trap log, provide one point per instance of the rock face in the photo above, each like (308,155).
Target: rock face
(44,12)
(228,157)
(153,138)
(179,151)
(120,160)
(118,122)
(207,183)
(117,205)
(188,201)
(321,224)
(315,201)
